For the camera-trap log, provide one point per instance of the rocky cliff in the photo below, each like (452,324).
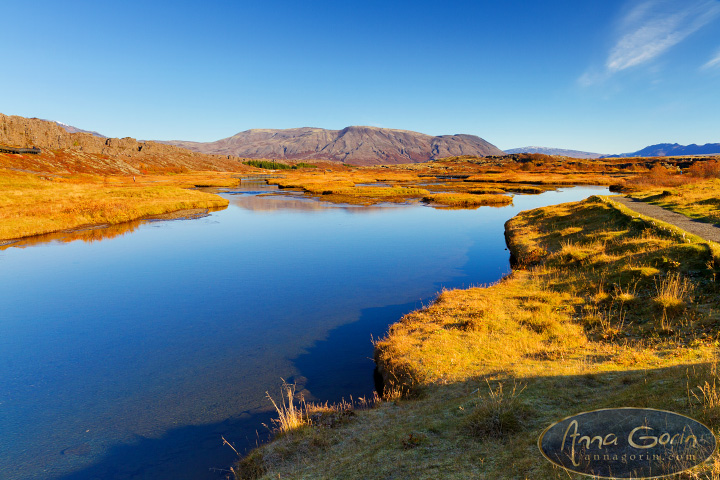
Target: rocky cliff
(65,151)
(356,145)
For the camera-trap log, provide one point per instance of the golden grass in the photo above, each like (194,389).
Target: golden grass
(379,192)
(547,178)
(290,416)
(468,199)
(672,292)
(36,204)
(486,190)
(484,370)
(343,187)
(464,179)
(312,183)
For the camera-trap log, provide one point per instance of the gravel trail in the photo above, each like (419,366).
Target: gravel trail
(707,231)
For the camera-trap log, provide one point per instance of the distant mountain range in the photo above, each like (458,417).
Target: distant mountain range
(555,151)
(356,145)
(71,129)
(376,146)
(672,150)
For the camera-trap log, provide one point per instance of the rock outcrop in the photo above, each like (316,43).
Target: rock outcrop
(356,145)
(65,151)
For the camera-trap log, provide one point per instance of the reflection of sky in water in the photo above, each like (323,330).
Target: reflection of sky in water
(191,322)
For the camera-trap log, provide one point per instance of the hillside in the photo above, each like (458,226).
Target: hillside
(86,152)
(555,151)
(672,150)
(356,145)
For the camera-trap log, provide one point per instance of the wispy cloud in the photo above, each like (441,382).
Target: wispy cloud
(714,62)
(650,29)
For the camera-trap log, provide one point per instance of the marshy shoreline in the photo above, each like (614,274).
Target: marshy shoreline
(604,308)
(97,231)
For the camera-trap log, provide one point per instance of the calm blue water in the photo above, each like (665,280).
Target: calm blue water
(131,356)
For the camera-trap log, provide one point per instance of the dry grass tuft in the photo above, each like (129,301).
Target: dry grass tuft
(707,396)
(290,416)
(499,414)
(672,293)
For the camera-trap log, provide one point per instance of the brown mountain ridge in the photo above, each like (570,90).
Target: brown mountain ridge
(357,145)
(87,152)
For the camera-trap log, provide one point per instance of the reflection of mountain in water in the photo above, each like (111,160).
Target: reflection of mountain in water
(272,203)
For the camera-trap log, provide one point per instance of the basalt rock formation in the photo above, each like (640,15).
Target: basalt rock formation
(63,151)
(356,145)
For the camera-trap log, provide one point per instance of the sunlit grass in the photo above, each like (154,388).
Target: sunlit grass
(672,292)
(544,178)
(468,199)
(32,204)
(456,183)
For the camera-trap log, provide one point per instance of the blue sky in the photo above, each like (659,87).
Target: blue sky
(599,75)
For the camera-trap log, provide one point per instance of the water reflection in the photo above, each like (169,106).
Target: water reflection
(274,203)
(89,234)
(95,233)
(125,357)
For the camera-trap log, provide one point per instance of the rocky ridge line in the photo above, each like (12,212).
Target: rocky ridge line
(62,149)
(357,145)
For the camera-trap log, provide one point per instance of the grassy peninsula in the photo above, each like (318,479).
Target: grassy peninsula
(33,204)
(606,308)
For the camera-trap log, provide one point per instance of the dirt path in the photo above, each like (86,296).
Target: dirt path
(707,231)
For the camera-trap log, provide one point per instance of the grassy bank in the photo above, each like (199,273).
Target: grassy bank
(32,204)
(606,309)
(468,199)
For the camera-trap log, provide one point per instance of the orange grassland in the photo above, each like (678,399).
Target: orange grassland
(33,204)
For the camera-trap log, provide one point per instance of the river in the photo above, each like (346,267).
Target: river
(128,353)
